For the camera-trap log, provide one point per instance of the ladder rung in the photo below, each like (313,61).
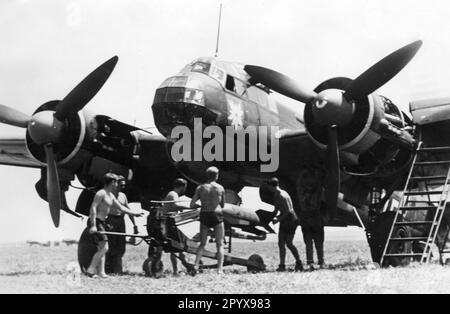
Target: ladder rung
(409,239)
(408,205)
(411,223)
(422,201)
(404,255)
(432,163)
(424,192)
(429,178)
(435,149)
(412,208)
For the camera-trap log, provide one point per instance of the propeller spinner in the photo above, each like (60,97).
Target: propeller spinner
(334,109)
(46,127)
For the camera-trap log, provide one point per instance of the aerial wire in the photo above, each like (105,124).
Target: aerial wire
(218,32)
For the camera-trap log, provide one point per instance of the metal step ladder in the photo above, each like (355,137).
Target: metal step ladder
(435,207)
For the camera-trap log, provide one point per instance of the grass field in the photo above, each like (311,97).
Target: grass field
(25,269)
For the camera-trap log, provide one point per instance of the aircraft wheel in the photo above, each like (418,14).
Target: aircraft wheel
(380,233)
(400,248)
(153,268)
(256,264)
(86,250)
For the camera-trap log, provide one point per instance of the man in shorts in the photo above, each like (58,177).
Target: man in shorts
(116,219)
(173,206)
(101,206)
(212,197)
(288,224)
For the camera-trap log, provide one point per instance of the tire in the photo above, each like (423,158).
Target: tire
(86,250)
(381,229)
(257,264)
(153,268)
(400,247)
(147,267)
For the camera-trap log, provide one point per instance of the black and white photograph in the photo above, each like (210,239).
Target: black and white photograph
(207,148)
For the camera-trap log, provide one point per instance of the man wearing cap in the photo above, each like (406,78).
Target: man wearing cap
(101,206)
(212,197)
(117,244)
(173,206)
(288,224)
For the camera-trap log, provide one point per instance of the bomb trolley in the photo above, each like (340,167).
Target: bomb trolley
(164,235)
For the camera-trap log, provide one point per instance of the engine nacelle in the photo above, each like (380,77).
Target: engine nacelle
(376,136)
(86,136)
(73,138)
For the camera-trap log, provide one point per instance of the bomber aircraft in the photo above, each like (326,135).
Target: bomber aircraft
(355,142)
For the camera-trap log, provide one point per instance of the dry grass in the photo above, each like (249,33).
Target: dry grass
(26,269)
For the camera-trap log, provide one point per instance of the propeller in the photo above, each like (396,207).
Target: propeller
(333,109)
(334,181)
(382,72)
(13,117)
(85,90)
(47,127)
(280,83)
(53,187)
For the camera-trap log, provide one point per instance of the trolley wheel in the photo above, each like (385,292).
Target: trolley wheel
(255,264)
(86,250)
(153,268)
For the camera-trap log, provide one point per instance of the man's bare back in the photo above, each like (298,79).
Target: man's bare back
(212,196)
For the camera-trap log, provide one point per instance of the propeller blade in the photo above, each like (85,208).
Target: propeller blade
(53,187)
(334,180)
(13,117)
(280,83)
(382,72)
(85,90)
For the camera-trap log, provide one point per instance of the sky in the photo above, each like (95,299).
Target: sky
(48,46)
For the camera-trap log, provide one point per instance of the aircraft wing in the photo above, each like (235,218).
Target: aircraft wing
(297,150)
(432,117)
(13,152)
(430,111)
(287,134)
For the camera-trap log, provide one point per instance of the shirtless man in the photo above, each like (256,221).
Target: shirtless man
(103,201)
(179,188)
(116,219)
(212,198)
(288,224)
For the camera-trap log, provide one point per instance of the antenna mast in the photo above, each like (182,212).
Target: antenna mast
(218,32)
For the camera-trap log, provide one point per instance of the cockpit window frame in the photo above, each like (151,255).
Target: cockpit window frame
(206,67)
(239,87)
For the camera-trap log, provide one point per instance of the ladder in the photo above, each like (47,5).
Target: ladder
(434,207)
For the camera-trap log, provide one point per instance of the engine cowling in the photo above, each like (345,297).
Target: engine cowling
(90,146)
(375,135)
(74,136)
